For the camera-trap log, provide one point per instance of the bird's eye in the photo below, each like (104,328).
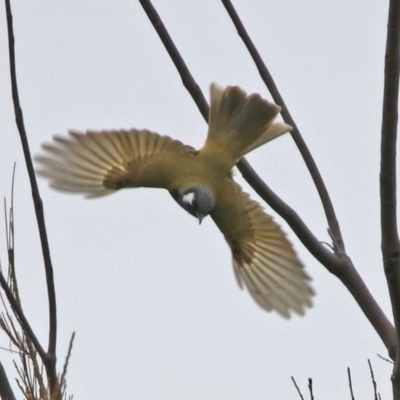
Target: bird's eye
(189,198)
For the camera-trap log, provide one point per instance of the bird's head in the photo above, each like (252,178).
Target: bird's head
(197,200)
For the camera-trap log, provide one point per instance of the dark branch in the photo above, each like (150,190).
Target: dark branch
(390,239)
(350,384)
(6,393)
(305,152)
(297,388)
(187,78)
(385,359)
(310,388)
(49,358)
(373,380)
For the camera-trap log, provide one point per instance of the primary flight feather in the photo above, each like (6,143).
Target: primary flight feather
(99,163)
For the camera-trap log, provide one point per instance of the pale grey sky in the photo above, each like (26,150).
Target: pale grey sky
(151,295)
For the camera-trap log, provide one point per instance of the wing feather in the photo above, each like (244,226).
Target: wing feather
(98,163)
(264,260)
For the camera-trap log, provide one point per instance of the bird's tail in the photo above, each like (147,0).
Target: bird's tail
(239,123)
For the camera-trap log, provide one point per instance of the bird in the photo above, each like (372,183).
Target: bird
(201,181)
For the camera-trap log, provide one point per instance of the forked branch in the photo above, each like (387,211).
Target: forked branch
(337,263)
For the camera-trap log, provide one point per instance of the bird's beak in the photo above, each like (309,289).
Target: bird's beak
(200,217)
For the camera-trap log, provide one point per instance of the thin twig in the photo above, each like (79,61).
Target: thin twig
(385,359)
(11,245)
(10,235)
(373,379)
(7,325)
(67,358)
(21,317)
(298,390)
(310,388)
(305,152)
(9,350)
(10,287)
(49,358)
(350,384)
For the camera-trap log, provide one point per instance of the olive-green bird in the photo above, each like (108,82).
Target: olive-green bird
(98,163)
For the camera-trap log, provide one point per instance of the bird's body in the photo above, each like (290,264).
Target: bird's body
(201,182)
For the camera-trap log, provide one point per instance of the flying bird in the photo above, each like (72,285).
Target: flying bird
(201,182)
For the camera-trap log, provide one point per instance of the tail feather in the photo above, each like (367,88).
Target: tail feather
(275,130)
(239,123)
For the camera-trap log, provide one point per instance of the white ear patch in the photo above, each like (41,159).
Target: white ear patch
(188,198)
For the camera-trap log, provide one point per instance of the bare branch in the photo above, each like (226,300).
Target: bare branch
(305,152)
(298,390)
(373,380)
(10,234)
(6,393)
(350,384)
(50,357)
(385,359)
(67,358)
(310,388)
(390,238)
(187,78)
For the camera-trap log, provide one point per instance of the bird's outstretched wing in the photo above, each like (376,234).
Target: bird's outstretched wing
(263,259)
(98,163)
